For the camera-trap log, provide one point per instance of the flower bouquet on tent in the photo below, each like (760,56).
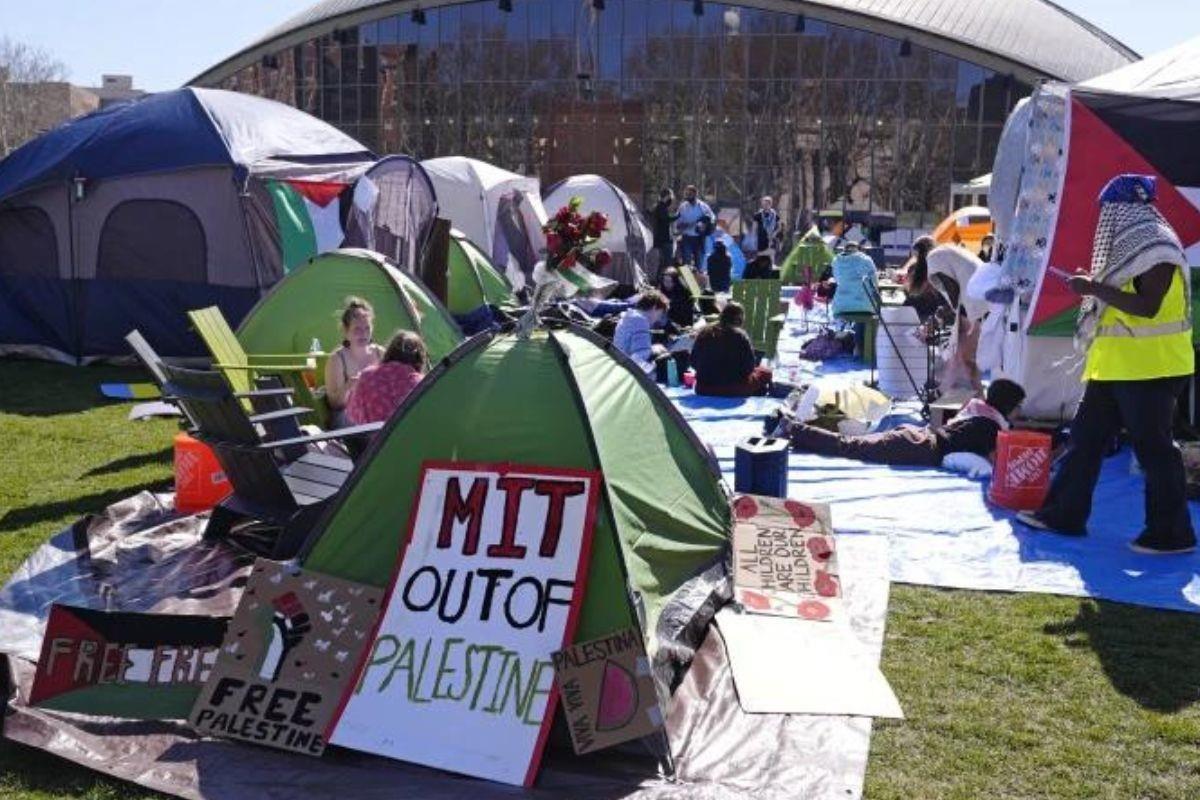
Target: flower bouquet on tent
(573,252)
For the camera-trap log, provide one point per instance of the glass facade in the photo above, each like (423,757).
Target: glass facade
(740,101)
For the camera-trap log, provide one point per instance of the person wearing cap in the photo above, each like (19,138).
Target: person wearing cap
(1135,328)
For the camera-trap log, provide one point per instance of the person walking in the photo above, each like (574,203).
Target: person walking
(695,222)
(1135,327)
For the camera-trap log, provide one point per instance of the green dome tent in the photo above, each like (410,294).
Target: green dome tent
(558,399)
(304,306)
(473,281)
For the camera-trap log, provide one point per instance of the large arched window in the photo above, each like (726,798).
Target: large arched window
(27,244)
(153,240)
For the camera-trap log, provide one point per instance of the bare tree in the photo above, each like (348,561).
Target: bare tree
(22,69)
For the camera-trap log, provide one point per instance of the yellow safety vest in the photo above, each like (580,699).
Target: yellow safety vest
(1131,348)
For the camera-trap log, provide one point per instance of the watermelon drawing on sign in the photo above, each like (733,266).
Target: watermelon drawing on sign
(744,508)
(618,698)
(812,609)
(826,585)
(802,515)
(754,600)
(820,548)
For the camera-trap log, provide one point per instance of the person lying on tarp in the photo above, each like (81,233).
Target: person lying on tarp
(973,430)
(724,358)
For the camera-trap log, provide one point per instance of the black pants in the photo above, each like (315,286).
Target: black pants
(907,445)
(1146,409)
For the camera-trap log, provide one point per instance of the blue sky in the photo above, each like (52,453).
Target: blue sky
(163,43)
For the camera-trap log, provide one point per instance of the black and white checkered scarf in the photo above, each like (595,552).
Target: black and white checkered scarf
(1131,239)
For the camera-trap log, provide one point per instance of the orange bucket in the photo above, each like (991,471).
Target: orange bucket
(200,483)
(1021,478)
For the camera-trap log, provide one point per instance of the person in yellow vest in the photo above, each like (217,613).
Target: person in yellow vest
(1135,327)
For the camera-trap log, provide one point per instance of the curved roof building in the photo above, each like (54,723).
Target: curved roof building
(874,106)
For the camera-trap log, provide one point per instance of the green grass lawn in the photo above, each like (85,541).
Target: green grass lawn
(1007,696)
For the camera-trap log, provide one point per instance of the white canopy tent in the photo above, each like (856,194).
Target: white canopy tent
(498,209)
(1056,153)
(1170,75)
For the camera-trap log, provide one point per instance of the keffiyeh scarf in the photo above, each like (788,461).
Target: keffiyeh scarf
(1131,239)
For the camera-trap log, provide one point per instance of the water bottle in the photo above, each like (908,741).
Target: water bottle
(310,372)
(672,372)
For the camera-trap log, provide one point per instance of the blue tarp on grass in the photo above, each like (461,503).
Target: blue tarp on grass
(942,531)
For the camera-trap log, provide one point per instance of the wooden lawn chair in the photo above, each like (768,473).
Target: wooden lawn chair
(760,299)
(285,496)
(242,370)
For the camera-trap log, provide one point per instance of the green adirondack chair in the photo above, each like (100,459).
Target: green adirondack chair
(702,299)
(760,298)
(242,370)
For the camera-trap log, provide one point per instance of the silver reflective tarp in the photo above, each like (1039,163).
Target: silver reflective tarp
(140,556)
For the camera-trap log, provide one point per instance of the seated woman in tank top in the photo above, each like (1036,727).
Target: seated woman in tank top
(358,351)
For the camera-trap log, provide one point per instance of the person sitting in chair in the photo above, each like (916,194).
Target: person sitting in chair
(973,430)
(681,310)
(724,358)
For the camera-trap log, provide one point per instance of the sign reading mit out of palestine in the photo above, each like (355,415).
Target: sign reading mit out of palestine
(460,675)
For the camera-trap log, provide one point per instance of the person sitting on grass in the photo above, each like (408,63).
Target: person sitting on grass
(634,336)
(724,358)
(973,430)
(381,389)
(358,351)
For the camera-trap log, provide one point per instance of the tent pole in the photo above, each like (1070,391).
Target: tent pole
(243,196)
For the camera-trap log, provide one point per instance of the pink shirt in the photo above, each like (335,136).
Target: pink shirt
(379,392)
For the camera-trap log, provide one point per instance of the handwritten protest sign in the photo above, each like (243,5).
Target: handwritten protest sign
(784,558)
(460,676)
(124,664)
(607,690)
(287,659)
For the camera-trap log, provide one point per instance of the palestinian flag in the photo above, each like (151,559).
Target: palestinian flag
(1111,134)
(308,216)
(125,664)
(581,280)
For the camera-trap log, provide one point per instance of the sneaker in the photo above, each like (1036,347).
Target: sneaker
(1150,547)
(1032,520)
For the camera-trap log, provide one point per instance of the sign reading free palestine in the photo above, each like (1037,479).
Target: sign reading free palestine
(460,675)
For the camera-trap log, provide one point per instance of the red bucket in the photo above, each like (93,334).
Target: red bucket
(200,483)
(1021,478)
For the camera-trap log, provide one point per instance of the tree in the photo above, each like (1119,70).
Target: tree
(23,72)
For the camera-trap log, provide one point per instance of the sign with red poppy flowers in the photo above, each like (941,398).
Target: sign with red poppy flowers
(785,559)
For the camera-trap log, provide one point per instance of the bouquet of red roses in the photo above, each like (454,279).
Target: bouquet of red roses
(572,238)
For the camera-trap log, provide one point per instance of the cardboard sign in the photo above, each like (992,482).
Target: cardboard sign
(607,691)
(124,664)
(460,676)
(785,559)
(287,659)
(787,666)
